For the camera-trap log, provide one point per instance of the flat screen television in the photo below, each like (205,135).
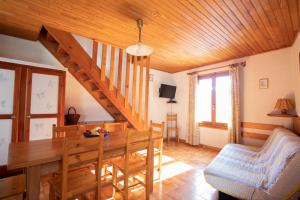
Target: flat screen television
(167,91)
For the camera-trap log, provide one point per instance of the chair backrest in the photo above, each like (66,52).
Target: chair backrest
(137,141)
(157,127)
(116,126)
(65,131)
(80,151)
(172,118)
(12,186)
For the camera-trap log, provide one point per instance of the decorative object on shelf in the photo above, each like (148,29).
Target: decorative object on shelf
(95,132)
(72,119)
(139,49)
(263,83)
(284,108)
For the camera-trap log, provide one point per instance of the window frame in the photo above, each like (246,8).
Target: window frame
(213,123)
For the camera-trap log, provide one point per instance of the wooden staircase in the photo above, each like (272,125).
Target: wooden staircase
(84,68)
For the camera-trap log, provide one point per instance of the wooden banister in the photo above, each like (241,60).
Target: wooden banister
(112,69)
(103,62)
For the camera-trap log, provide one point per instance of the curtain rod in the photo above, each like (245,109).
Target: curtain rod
(243,64)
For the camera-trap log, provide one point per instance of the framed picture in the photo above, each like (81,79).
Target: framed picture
(263,83)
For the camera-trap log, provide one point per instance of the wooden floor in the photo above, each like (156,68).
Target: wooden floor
(182,176)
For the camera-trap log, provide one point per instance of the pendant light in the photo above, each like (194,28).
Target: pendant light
(139,49)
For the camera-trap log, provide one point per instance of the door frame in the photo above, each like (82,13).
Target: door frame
(22,92)
(61,98)
(15,114)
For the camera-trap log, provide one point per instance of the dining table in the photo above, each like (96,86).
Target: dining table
(43,157)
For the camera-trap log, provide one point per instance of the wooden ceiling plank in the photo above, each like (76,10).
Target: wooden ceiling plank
(203,30)
(287,18)
(239,25)
(217,28)
(207,36)
(274,21)
(236,11)
(184,34)
(293,9)
(279,17)
(273,30)
(227,23)
(250,10)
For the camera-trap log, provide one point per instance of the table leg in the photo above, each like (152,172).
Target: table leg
(33,182)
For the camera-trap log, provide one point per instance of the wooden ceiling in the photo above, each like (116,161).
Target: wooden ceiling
(184,33)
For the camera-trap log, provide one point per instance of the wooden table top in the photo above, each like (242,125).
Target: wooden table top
(38,152)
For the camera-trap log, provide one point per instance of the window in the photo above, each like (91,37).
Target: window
(213,100)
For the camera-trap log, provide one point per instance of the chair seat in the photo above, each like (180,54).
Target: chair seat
(136,164)
(79,181)
(156,151)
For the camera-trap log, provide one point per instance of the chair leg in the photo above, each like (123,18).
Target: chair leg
(160,158)
(114,180)
(125,192)
(168,136)
(147,184)
(177,136)
(51,193)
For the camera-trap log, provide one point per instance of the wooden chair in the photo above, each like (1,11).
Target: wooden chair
(75,181)
(66,131)
(133,165)
(115,126)
(172,127)
(12,187)
(158,144)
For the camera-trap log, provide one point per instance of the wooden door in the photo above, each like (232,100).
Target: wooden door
(44,102)
(9,107)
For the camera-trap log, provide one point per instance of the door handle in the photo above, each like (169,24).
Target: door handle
(13,117)
(28,116)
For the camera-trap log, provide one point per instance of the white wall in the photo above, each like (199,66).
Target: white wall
(295,64)
(255,102)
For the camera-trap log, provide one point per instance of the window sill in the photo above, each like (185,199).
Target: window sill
(213,125)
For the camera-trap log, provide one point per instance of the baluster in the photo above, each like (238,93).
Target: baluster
(141,87)
(127,79)
(147,92)
(112,69)
(134,84)
(103,62)
(119,84)
(95,53)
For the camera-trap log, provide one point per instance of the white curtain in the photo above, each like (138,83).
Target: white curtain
(193,135)
(234,126)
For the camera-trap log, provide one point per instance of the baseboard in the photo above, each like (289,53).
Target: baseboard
(200,145)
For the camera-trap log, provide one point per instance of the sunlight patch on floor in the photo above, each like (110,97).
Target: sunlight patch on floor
(174,169)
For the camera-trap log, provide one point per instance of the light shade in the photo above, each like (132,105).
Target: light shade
(139,49)
(284,105)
